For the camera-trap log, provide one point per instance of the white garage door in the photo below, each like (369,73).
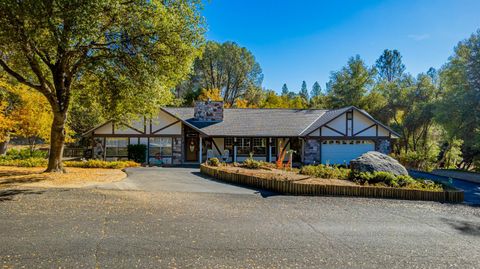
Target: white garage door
(341,152)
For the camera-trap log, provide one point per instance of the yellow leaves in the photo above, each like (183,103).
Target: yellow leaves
(6,122)
(210,94)
(241,103)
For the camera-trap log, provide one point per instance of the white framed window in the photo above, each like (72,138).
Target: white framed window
(243,147)
(116,146)
(228,143)
(161,146)
(260,146)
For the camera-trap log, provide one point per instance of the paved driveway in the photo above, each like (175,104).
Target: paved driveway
(173,179)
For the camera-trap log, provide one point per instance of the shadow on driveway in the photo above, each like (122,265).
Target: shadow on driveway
(8,195)
(263,193)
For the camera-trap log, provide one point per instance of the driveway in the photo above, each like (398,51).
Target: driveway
(173,179)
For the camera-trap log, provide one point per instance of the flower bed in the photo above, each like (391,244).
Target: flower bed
(304,187)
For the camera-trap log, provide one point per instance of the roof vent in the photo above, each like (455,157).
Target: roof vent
(208,111)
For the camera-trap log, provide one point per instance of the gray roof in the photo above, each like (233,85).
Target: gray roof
(253,121)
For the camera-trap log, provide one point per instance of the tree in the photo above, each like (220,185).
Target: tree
(228,67)
(210,95)
(133,50)
(389,65)
(348,86)
(304,92)
(285,90)
(316,90)
(458,110)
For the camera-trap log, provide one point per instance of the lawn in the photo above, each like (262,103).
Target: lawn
(12,177)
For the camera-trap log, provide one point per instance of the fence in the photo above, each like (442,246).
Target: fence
(295,188)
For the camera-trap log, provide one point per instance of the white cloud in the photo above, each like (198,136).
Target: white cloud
(419,37)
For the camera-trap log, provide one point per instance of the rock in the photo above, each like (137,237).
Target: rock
(374,161)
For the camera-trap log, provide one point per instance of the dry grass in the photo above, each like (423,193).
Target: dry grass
(11,177)
(279,174)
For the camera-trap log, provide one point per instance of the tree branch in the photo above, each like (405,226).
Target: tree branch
(19,77)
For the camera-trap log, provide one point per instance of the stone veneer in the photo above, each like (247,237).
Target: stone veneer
(177,151)
(208,111)
(383,146)
(311,151)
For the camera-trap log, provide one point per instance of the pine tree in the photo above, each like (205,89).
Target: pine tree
(285,90)
(304,91)
(316,90)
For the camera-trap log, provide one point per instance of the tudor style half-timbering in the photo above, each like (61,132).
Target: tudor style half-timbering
(192,135)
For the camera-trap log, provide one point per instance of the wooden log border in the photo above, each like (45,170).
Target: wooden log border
(293,188)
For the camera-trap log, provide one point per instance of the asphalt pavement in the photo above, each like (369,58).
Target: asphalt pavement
(227,228)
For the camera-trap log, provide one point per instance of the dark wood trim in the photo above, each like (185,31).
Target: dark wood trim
(215,145)
(376,130)
(144,124)
(336,131)
(150,130)
(269,157)
(284,148)
(133,128)
(113,127)
(136,135)
(350,137)
(165,127)
(364,129)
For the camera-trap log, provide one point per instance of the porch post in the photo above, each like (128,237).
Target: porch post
(234,149)
(200,153)
(269,157)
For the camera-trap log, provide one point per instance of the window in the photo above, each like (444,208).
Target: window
(228,144)
(116,146)
(273,145)
(243,147)
(259,146)
(160,146)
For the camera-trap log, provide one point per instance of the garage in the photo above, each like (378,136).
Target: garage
(343,151)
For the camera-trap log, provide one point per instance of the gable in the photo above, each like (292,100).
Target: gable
(358,124)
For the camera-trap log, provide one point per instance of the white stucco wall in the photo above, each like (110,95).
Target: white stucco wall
(164,119)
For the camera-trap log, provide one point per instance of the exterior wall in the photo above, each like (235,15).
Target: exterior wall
(104,129)
(311,151)
(208,111)
(163,120)
(177,148)
(383,146)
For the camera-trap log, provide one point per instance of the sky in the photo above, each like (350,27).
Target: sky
(300,40)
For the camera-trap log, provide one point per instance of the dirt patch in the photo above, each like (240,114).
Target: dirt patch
(11,177)
(278,174)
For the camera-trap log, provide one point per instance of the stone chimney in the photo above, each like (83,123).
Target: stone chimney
(208,111)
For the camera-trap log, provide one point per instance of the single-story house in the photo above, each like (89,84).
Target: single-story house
(182,135)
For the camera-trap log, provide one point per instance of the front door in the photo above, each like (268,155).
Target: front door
(191,149)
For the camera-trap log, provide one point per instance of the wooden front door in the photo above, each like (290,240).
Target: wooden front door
(191,149)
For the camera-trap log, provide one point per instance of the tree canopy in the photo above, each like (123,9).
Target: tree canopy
(134,50)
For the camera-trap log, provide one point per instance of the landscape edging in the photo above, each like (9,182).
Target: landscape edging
(293,188)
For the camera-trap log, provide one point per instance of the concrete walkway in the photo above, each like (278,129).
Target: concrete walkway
(173,179)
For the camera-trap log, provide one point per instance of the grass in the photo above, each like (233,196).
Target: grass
(14,177)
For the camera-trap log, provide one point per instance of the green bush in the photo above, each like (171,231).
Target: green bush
(23,154)
(137,152)
(28,162)
(324,171)
(390,180)
(213,162)
(101,164)
(251,163)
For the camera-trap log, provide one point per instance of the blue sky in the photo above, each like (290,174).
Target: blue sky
(306,40)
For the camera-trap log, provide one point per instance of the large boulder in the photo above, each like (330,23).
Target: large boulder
(374,161)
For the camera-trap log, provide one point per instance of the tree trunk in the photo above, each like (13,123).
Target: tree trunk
(57,142)
(4,145)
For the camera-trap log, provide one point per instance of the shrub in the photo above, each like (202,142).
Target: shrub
(324,171)
(137,152)
(101,164)
(213,162)
(390,180)
(28,162)
(251,163)
(23,154)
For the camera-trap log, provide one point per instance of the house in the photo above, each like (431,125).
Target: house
(179,135)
